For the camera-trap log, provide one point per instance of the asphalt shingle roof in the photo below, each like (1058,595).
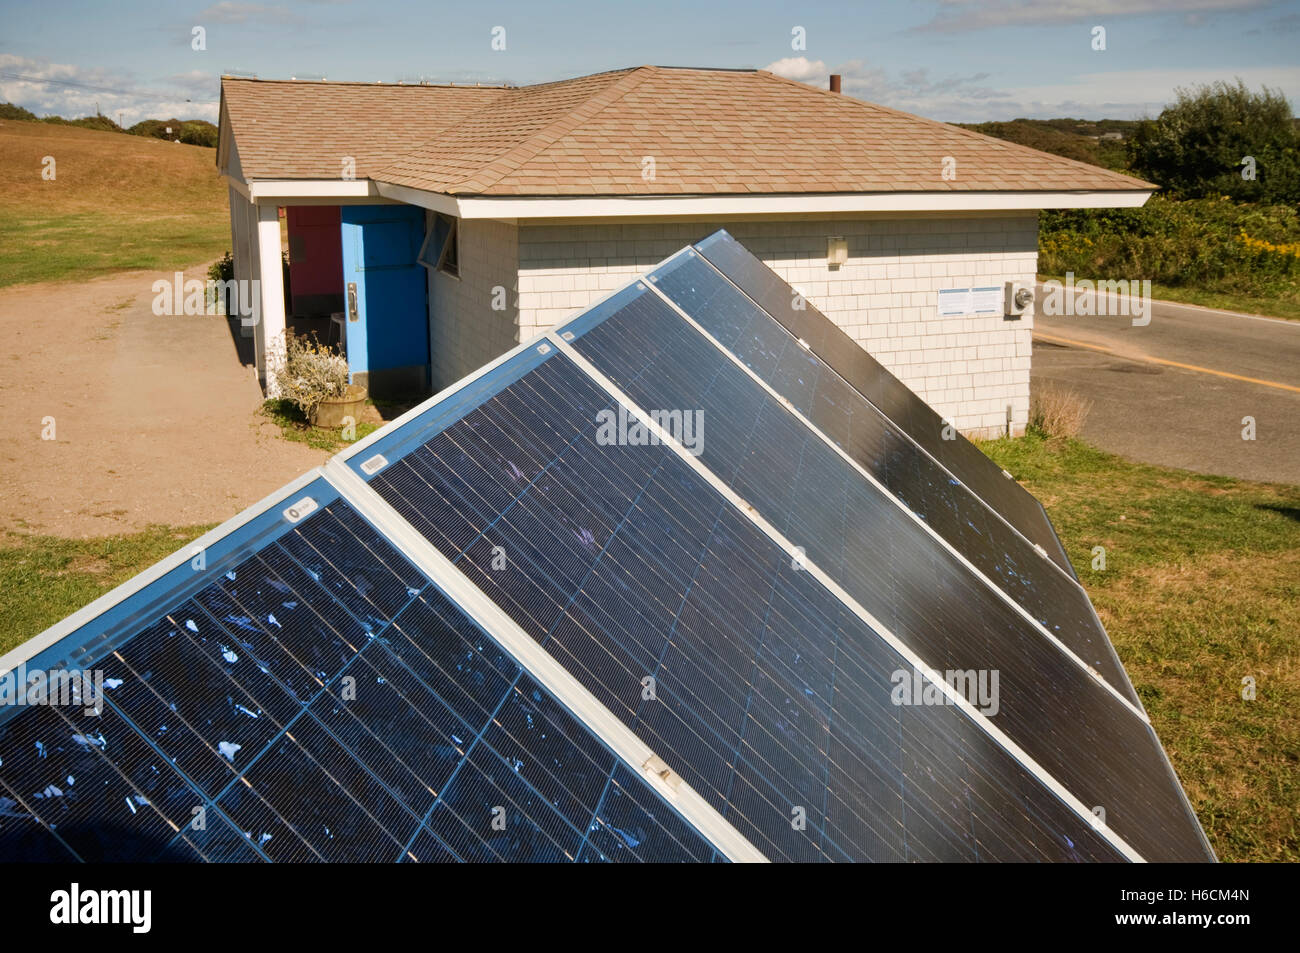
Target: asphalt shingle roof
(709,132)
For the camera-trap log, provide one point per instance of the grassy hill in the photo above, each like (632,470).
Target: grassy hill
(1080,139)
(197,132)
(117,203)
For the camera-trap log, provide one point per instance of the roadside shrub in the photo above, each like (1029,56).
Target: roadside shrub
(312,372)
(1209,244)
(223,271)
(1057,412)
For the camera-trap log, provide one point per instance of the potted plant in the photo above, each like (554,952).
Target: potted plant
(314,378)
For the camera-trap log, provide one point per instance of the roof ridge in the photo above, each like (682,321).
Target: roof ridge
(514,157)
(227,78)
(967,133)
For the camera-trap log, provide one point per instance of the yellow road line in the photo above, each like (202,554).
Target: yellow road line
(1160,360)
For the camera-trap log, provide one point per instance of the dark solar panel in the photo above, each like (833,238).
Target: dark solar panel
(769,697)
(843,355)
(319,685)
(309,695)
(1008,559)
(1099,749)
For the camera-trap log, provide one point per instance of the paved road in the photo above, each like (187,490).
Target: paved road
(1174,392)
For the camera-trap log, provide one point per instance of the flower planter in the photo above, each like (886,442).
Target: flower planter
(330,413)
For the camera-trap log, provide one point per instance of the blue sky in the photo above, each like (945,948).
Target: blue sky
(956,60)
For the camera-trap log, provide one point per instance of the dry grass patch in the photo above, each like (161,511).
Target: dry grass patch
(1056,411)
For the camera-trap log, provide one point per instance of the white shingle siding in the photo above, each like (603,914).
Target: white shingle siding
(886,295)
(465,332)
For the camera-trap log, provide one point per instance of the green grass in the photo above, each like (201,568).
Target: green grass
(89,244)
(1201,589)
(1270,306)
(294,426)
(45,578)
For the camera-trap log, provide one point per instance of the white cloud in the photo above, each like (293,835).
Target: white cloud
(799,68)
(912,90)
(239,12)
(1123,94)
(72,92)
(1106,93)
(956,16)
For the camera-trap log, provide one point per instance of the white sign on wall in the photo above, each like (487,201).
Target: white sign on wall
(954,302)
(987,300)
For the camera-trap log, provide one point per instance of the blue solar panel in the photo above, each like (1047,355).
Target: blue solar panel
(308,695)
(884,450)
(1052,708)
(769,697)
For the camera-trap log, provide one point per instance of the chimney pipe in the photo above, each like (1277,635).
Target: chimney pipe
(835,82)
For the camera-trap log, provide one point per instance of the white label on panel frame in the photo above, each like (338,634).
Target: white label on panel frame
(303,507)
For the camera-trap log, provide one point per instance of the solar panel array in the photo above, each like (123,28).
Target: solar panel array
(492,632)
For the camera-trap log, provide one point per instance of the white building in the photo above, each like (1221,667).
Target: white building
(448,223)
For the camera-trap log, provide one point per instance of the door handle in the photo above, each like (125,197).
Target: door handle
(352,301)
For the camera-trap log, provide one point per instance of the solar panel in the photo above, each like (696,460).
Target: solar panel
(843,355)
(307,694)
(1050,596)
(1056,711)
(527,622)
(770,698)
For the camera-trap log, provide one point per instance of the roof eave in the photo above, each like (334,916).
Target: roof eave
(637,206)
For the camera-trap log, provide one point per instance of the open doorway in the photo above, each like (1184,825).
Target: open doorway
(315,291)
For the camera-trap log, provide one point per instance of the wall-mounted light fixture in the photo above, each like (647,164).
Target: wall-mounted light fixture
(837,252)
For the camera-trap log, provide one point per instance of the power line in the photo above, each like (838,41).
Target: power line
(67,82)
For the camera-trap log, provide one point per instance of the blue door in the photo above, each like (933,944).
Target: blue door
(388,335)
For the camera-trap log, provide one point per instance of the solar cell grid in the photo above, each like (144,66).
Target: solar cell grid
(318,699)
(1005,557)
(625,567)
(797,315)
(1050,706)
(321,685)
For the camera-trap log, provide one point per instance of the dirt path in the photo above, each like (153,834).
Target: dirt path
(155,417)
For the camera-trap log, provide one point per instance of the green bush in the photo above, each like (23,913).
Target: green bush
(223,269)
(102,123)
(1207,244)
(1197,146)
(199,133)
(10,111)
